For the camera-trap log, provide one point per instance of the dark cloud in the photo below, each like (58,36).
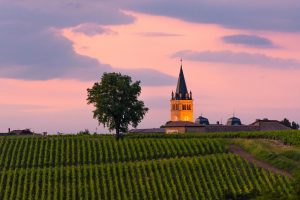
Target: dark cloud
(275,15)
(249,40)
(241,58)
(61,14)
(159,34)
(32,47)
(42,55)
(92,29)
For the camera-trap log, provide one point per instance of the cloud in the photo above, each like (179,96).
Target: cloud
(159,34)
(249,40)
(91,29)
(42,55)
(33,48)
(150,77)
(273,15)
(239,58)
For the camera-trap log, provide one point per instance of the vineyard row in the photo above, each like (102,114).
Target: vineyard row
(204,177)
(27,152)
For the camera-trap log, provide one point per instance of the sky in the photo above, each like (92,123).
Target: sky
(239,58)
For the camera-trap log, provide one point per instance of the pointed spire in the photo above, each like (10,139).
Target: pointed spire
(181,89)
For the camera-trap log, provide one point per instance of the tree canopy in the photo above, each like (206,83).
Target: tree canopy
(116,102)
(292,125)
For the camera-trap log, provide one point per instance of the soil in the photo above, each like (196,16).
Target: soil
(250,158)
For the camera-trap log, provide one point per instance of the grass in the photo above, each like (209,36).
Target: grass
(282,156)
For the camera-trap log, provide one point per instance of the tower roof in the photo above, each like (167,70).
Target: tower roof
(181,85)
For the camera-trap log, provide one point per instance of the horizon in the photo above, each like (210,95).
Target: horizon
(242,63)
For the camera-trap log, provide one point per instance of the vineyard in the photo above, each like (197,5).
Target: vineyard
(287,137)
(99,167)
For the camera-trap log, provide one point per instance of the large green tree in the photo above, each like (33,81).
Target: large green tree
(116,102)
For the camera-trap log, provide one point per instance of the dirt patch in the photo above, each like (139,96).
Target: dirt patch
(250,158)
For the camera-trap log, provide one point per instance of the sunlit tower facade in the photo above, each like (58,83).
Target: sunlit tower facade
(181,101)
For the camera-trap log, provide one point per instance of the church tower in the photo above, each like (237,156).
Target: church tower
(182,101)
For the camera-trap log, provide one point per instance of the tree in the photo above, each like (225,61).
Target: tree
(295,125)
(85,132)
(292,125)
(116,102)
(286,122)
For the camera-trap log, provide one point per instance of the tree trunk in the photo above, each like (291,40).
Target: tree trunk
(118,132)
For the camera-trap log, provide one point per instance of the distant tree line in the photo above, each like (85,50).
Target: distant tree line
(292,125)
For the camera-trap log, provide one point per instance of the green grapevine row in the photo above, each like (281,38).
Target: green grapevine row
(287,137)
(27,152)
(204,177)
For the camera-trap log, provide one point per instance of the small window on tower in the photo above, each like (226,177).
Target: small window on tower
(183,107)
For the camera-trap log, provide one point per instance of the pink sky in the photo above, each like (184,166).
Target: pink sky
(219,89)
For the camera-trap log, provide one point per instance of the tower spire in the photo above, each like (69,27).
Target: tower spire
(181,89)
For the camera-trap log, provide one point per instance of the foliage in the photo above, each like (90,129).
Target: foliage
(295,126)
(95,167)
(273,152)
(99,167)
(292,125)
(288,137)
(116,102)
(85,132)
(294,194)
(89,149)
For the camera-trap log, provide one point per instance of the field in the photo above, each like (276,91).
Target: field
(190,166)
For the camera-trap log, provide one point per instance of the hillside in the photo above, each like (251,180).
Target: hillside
(137,167)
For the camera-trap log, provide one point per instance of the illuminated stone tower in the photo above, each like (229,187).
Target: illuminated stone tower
(182,101)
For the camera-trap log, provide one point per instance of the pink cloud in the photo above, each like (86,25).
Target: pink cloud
(219,89)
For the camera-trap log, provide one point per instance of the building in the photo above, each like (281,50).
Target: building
(181,104)
(233,125)
(18,132)
(234,121)
(202,121)
(181,101)
(182,116)
(269,125)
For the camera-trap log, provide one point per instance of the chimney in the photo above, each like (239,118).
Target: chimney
(8,130)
